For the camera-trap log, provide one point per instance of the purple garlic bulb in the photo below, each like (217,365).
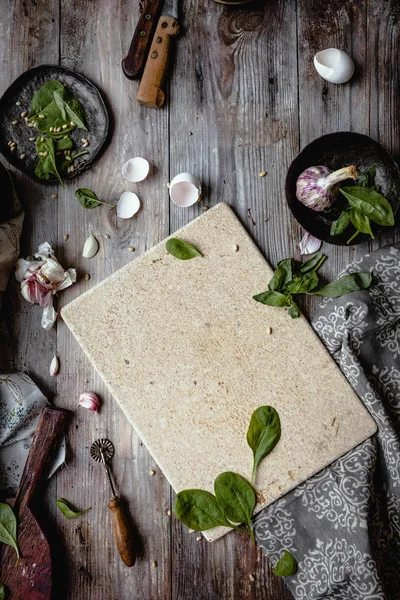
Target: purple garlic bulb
(317,187)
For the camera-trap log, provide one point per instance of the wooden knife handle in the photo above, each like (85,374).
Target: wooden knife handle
(122,531)
(133,64)
(150,91)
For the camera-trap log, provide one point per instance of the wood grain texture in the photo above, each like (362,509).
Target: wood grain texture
(243,98)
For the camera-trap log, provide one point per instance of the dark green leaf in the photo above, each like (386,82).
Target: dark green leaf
(345,285)
(369,203)
(8,527)
(282,275)
(47,168)
(71,110)
(361,222)
(54,119)
(312,264)
(301,285)
(181,250)
(263,434)
(44,96)
(198,510)
(235,497)
(67,510)
(341,224)
(272,299)
(294,311)
(65,143)
(3,592)
(87,198)
(286,566)
(367,178)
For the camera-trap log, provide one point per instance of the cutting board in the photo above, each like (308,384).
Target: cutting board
(187,354)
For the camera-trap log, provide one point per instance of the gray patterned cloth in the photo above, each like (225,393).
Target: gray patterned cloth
(343,524)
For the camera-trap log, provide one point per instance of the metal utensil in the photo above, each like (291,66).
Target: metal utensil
(102,451)
(150,90)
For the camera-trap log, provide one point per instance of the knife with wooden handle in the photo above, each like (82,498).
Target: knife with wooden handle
(150,90)
(133,64)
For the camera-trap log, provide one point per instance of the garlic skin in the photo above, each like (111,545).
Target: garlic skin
(91,247)
(309,244)
(317,187)
(334,65)
(90,401)
(54,366)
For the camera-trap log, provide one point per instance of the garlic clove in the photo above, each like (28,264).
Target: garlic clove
(128,205)
(89,400)
(136,169)
(309,244)
(185,189)
(54,366)
(91,247)
(334,65)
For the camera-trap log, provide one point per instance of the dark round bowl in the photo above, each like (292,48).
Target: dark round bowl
(337,150)
(22,90)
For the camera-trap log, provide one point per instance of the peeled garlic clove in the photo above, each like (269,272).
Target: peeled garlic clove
(334,65)
(128,205)
(54,366)
(91,247)
(89,400)
(136,169)
(185,189)
(309,244)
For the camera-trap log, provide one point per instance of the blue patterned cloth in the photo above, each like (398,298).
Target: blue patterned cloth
(343,524)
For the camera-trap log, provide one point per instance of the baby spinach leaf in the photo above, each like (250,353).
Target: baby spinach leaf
(306,283)
(263,434)
(65,143)
(236,498)
(71,110)
(3,592)
(294,311)
(44,96)
(345,285)
(199,510)
(67,510)
(312,264)
(46,168)
(87,198)
(369,203)
(282,275)
(8,527)
(360,222)
(341,224)
(272,298)
(367,178)
(286,566)
(181,250)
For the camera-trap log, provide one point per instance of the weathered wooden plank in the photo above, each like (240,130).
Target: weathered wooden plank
(233,114)
(95,48)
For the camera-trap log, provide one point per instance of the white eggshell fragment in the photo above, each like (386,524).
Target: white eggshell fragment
(91,247)
(334,65)
(136,169)
(185,189)
(128,205)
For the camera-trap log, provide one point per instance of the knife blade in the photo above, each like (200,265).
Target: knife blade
(134,62)
(150,91)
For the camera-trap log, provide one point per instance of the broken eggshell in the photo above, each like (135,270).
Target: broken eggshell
(128,205)
(136,169)
(334,65)
(185,189)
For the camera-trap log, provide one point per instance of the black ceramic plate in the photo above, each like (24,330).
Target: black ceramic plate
(22,90)
(337,150)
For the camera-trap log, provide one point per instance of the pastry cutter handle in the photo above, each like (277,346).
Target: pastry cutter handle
(122,531)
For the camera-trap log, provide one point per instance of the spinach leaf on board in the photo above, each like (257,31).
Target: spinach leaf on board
(345,285)
(236,498)
(286,566)
(272,298)
(67,510)
(3,592)
(263,434)
(8,527)
(369,203)
(44,96)
(341,224)
(46,167)
(181,249)
(88,199)
(199,510)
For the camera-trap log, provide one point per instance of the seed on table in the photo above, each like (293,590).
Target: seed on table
(107,236)
(18,103)
(13,148)
(51,129)
(151,473)
(199,538)
(10,143)
(58,129)
(42,117)
(251,577)
(205,208)
(168,185)
(154,564)
(236,247)
(169,513)
(54,196)
(86,277)
(23,114)
(22,156)
(269,330)
(32,139)
(67,157)
(26,119)
(14,122)
(65,126)
(42,139)
(131,249)
(262,174)
(85,145)
(66,236)
(84,140)
(72,123)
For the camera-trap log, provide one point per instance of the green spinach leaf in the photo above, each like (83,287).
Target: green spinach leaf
(181,250)
(65,143)
(8,527)
(303,284)
(294,310)
(236,498)
(360,222)
(44,96)
(3,592)
(46,168)
(286,566)
(341,224)
(199,510)
(67,510)
(71,109)
(272,298)
(312,264)
(369,203)
(345,285)
(263,434)
(282,275)
(88,199)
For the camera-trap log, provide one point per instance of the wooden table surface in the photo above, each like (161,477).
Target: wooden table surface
(243,97)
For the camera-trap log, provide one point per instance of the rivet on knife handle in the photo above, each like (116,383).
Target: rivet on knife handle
(133,64)
(150,91)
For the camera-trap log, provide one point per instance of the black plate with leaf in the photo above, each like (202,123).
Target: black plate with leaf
(337,150)
(22,90)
